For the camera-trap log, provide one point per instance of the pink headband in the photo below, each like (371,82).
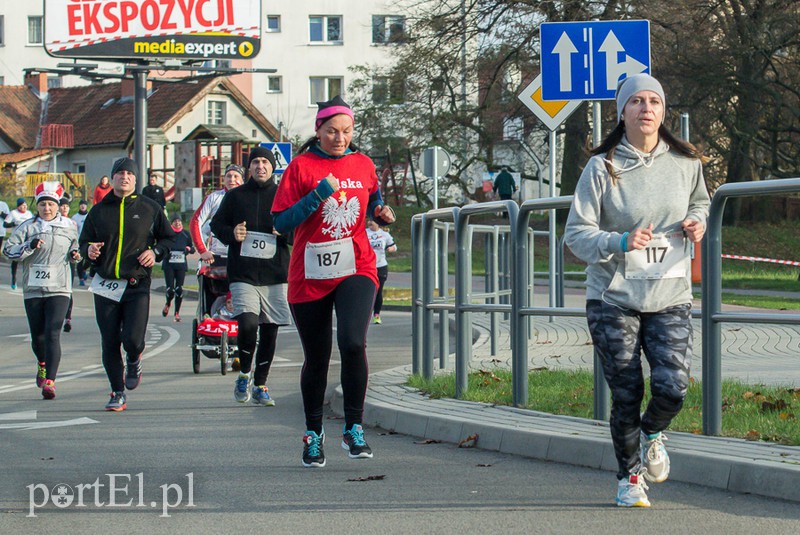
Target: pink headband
(326,113)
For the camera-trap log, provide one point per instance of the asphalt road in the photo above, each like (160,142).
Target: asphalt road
(185,457)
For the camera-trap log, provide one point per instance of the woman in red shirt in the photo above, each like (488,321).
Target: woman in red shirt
(324,195)
(101,190)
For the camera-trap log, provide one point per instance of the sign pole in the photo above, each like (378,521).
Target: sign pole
(602,409)
(140,126)
(553,240)
(435,179)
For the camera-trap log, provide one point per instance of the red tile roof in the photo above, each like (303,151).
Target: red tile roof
(101,117)
(23,156)
(19,120)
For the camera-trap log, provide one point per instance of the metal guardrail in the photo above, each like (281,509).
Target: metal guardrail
(520,243)
(712,315)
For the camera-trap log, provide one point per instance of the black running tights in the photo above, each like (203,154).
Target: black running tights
(45,316)
(352,300)
(267,334)
(123,323)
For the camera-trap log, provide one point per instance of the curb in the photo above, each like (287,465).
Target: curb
(729,464)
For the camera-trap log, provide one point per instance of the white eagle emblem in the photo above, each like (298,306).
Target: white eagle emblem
(340,216)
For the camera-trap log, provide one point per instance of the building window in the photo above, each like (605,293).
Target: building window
(386,90)
(2,80)
(179,129)
(274,84)
(53,82)
(216,112)
(35,30)
(324,88)
(325,29)
(2,30)
(273,23)
(388,29)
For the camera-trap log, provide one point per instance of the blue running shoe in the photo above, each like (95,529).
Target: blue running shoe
(117,402)
(133,373)
(313,450)
(261,397)
(353,441)
(241,390)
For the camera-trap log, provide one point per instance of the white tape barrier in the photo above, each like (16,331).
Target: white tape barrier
(759,259)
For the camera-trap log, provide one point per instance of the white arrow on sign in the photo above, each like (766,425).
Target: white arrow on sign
(564,49)
(614,69)
(26,415)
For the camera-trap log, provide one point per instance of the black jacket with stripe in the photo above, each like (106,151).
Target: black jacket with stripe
(127,227)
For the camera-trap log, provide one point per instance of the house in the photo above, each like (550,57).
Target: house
(211,115)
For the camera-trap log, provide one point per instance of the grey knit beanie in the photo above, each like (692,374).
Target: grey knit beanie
(631,85)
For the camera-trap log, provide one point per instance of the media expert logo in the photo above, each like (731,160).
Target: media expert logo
(111,494)
(175,48)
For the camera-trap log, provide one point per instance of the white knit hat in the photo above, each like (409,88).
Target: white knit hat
(630,85)
(51,191)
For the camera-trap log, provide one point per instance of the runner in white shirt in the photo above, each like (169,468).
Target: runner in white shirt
(382,243)
(14,219)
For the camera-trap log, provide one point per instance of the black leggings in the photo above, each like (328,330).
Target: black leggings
(122,323)
(174,278)
(45,316)
(352,300)
(267,334)
(383,274)
(14,271)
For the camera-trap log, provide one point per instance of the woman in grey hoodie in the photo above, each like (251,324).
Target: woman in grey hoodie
(639,204)
(45,246)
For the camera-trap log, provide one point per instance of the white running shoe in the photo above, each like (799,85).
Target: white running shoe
(631,491)
(654,457)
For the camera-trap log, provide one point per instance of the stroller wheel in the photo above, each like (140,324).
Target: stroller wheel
(223,353)
(195,351)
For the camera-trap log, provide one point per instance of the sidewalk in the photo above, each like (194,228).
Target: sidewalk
(769,353)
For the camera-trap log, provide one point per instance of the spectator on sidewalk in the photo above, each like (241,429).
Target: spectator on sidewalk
(504,184)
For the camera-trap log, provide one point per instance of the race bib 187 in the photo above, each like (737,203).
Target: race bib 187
(330,260)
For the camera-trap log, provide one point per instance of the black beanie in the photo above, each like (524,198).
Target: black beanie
(262,152)
(125,164)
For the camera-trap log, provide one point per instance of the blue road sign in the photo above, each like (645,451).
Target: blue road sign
(282,153)
(585,60)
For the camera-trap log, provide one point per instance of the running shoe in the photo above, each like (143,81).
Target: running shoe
(133,373)
(631,491)
(13,285)
(67,326)
(82,283)
(177,318)
(117,402)
(236,364)
(241,390)
(49,389)
(376,319)
(654,457)
(165,311)
(260,396)
(313,450)
(41,375)
(353,441)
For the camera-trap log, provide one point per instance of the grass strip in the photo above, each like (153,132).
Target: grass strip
(752,412)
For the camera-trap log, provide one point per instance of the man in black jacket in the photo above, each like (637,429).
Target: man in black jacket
(155,192)
(258,267)
(123,237)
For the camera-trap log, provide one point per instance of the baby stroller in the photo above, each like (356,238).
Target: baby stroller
(214,338)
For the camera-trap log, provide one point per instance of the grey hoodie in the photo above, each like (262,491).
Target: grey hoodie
(662,188)
(60,237)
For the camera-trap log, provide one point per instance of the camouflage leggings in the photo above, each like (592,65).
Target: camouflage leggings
(619,336)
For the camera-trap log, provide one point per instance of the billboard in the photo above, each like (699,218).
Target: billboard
(152,29)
